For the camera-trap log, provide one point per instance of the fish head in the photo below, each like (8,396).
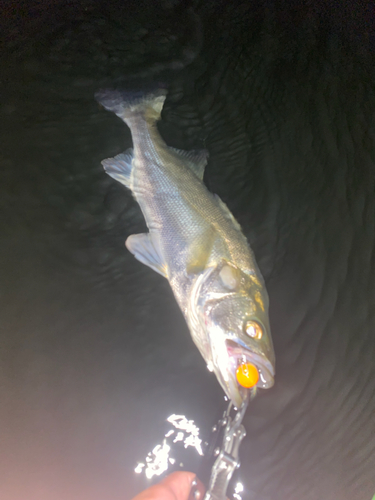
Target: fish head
(232,308)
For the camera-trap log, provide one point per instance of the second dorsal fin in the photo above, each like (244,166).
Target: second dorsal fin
(196,160)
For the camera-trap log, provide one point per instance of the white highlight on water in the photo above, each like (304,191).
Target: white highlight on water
(158,460)
(237,490)
(189,428)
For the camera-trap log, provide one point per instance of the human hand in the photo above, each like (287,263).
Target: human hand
(176,486)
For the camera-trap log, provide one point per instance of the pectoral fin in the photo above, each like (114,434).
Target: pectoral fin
(146,248)
(200,251)
(120,167)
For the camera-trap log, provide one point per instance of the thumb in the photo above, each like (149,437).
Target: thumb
(176,486)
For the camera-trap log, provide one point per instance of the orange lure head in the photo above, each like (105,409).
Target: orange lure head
(247,375)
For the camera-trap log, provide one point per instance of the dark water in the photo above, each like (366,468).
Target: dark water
(94,351)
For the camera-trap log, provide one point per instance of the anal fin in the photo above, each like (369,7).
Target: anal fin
(120,167)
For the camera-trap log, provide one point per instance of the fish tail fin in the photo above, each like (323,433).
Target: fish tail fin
(120,167)
(128,104)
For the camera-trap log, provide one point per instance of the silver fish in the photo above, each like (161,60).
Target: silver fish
(196,243)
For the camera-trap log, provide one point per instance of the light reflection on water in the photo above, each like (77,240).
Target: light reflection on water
(161,457)
(158,460)
(237,490)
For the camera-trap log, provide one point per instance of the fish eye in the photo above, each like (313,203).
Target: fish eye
(253,329)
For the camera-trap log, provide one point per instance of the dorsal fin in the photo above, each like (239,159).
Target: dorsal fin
(228,213)
(196,160)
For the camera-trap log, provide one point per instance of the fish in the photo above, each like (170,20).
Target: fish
(194,241)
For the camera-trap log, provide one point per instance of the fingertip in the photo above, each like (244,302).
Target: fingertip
(176,486)
(179,483)
(184,485)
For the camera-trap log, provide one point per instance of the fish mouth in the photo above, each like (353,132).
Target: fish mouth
(238,355)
